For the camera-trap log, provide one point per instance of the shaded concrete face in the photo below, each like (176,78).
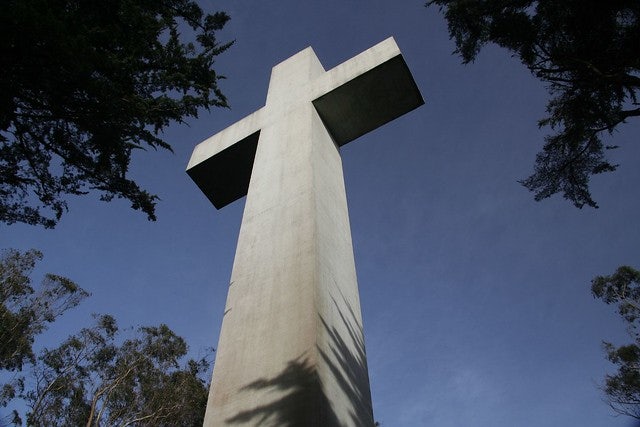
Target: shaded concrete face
(291,349)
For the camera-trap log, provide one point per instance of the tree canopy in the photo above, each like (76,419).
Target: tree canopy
(93,378)
(83,84)
(26,309)
(98,376)
(588,53)
(623,388)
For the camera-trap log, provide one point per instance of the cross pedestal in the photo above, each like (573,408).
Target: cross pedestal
(291,349)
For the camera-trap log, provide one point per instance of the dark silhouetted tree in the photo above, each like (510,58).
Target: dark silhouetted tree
(588,53)
(623,388)
(83,84)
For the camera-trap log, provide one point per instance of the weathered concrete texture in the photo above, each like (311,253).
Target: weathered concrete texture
(291,349)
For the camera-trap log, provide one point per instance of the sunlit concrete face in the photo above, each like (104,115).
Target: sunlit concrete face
(291,349)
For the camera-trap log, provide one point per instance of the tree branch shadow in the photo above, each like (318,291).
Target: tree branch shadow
(300,397)
(348,364)
(304,403)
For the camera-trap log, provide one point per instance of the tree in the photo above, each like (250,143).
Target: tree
(94,379)
(623,389)
(588,53)
(83,84)
(25,311)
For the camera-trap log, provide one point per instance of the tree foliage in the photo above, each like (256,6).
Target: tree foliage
(83,84)
(588,53)
(94,378)
(26,310)
(623,388)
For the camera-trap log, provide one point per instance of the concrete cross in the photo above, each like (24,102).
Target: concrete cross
(291,349)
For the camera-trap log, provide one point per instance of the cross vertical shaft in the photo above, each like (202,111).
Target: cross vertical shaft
(291,349)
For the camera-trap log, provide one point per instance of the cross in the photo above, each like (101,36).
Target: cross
(291,348)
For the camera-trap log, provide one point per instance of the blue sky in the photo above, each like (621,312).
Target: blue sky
(475,298)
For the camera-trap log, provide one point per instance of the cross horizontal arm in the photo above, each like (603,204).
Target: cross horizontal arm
(352,99)
(365,92)
(221,165)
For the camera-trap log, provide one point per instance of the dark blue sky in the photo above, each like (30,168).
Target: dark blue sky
(476,301)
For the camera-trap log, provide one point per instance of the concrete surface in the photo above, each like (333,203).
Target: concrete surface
(291,349)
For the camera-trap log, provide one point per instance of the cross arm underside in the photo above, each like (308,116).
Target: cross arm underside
(221,165)
(366,92)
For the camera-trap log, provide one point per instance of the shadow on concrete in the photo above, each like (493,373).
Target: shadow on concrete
(302,397)
(303,402)
(348,364)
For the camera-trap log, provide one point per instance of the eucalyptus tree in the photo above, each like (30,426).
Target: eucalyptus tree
(96,378)
(622,289)
(26,309)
